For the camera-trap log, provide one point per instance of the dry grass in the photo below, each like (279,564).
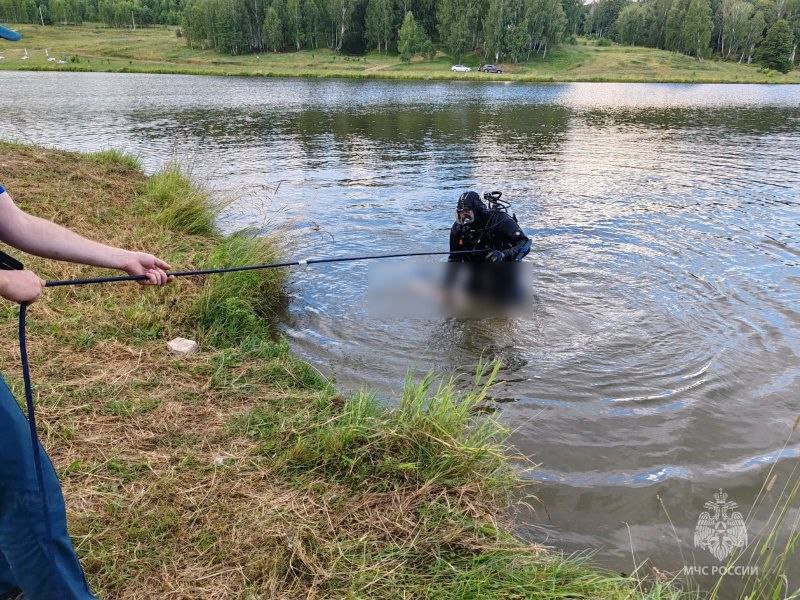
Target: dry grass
(239,473)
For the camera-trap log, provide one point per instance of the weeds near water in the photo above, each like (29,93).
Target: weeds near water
(117,158)
(419,482)
(505,571)
(182,205)
(432,438)
(239,306)
(232,307)
(777,550)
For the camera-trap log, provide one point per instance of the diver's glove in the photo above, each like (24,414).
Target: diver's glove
(495,256)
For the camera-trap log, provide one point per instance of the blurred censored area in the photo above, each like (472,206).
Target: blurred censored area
(449,290)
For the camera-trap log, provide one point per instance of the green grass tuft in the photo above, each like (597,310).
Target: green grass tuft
(431,438)
(117,159)
(235,307)
(183,207)
(454,556)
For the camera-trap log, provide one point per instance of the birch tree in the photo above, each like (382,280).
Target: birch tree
(340,12)
(273,30)
(293,24)
(776,49)
(697,28)
(631,26)
(494,29)
(456,25)
(379,23)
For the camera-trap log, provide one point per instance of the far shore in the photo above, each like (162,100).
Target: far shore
(90,48)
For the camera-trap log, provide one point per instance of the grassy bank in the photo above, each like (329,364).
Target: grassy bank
(159,50)
(239,472)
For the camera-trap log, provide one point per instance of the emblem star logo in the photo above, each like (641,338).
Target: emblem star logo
(720,528)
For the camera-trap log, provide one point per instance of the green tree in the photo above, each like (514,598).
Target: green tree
(656,13)
(66,12)
(407,38)
(231,36)
(273,30)
(697,27)
(412,40)
(755,33)
(252,19)
(312,23)
(603,15)
(495,29)
(792,14)
(556,25)
(293,23)
(674,25)
(341,12)
(770,9)
(631,26)
(519,40)
(193,23)
(546,23)
(574,11)
(457,26)
(776,49)
(716,22)
(425,45)
(728,33)
(736,27)
(379,23)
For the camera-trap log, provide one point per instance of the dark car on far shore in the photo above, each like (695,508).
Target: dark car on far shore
(490,69)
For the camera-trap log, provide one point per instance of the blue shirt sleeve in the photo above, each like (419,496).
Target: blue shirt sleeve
(2,189)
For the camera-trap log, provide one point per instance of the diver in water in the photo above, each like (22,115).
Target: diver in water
(474,285)
(491,228)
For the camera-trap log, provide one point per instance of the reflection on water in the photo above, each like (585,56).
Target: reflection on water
(659,360)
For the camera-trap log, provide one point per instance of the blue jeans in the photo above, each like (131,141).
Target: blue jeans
(26,560)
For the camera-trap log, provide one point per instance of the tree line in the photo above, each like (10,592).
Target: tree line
(113,13)
(742,30)
(499,30)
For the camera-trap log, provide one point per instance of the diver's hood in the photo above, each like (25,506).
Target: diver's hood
(471,201)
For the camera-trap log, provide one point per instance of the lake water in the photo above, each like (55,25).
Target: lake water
(661,359)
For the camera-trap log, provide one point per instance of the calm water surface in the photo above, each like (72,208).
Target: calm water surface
(661,360)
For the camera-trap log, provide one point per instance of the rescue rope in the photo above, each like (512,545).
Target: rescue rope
(292,263)
(37,455)
(23,347)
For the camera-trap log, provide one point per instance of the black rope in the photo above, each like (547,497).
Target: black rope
(26,377)
(49,544)
(23,348)
(275,265)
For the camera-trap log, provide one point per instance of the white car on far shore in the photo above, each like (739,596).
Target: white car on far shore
(460,69)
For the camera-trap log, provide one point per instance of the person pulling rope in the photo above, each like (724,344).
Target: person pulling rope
(37,558)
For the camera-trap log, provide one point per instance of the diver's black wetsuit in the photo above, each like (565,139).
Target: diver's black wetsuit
(491,230)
